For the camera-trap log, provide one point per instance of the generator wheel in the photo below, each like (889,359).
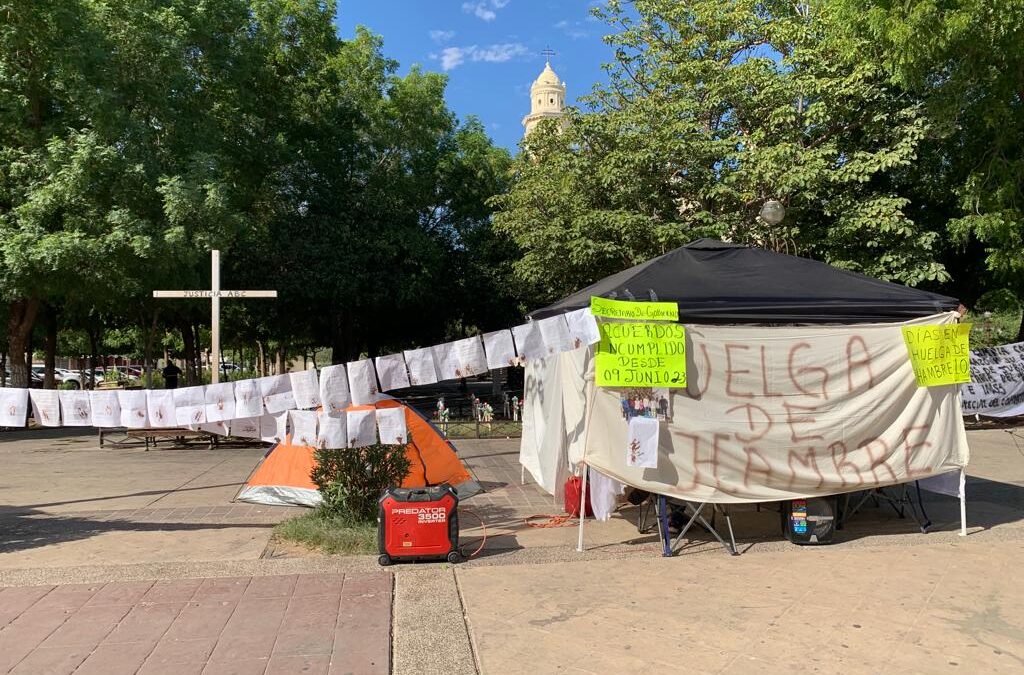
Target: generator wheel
(383,560)
(454,557)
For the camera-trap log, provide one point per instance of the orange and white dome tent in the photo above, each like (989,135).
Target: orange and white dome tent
(283,477)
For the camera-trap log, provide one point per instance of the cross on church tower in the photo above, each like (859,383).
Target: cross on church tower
(547,53)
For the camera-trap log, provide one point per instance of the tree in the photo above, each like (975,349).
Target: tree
(965,60)
(713,108)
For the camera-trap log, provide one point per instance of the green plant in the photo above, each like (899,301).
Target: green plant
(351,480)
(332,534)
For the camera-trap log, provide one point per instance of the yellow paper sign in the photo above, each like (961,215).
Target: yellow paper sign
(940,354)
(635,311)
(641,355)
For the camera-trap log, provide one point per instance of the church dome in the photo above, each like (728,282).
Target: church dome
(547,76)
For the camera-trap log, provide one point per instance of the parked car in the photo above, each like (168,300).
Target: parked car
(72,377)
(35,382)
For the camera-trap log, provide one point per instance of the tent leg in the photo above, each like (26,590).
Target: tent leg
(583,508)
(963,503)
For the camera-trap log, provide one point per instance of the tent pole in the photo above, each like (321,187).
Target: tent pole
(583,507)
(963,503)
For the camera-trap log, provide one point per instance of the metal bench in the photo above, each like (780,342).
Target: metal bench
(180,437)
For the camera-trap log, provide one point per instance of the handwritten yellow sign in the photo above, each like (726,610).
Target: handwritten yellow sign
(635,311)
(641,355)
(939,354)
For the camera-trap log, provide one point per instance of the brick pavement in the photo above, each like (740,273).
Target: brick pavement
(316,623)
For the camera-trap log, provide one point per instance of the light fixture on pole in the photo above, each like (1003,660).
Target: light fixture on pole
(773,212)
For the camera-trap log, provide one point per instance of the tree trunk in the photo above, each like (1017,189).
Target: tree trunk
(188,339)
(3,369)
(341,339)
(94,354)
(19,330)
(199,354)
(147,352)
(1020,329)
(50,353)
(279,364)
(261,359)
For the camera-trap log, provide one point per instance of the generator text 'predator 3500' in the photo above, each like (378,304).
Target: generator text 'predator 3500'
(418,524)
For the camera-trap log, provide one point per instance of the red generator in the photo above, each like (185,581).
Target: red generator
(418,524)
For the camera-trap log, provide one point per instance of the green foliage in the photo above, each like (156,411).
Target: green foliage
(351,480)
(712,109)
(330,534)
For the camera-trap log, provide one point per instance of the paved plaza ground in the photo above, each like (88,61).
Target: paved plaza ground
(117,560)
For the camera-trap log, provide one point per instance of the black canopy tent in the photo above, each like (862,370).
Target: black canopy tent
(717,282)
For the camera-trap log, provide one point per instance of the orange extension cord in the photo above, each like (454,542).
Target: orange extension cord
(557,520)
(483,538)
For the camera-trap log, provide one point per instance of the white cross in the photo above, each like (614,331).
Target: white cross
(215,294)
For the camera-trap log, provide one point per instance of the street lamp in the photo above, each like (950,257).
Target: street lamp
(773,212)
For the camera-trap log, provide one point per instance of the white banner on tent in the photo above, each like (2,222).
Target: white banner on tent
(276,391)
(305,388)
(362,381)
(422,369)
(220,402)
(997,382)
(783,412)
(106,411)
(391,372)
(45,407)
(75,409)
(303,427)
(362,428)
(332,432)
(391,425)
(500,349)
(160,406)
(248,400)
(555,332)
(529,342)
(334,391)
(190,405)
(134,408)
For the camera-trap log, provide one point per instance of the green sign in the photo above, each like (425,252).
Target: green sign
(940,354)
(634,311)
(641,355)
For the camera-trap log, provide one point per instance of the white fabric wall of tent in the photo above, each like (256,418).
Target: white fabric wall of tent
(770,413)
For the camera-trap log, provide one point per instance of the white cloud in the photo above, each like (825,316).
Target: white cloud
(484,9)
(441,36)
(453,57)
(573,29)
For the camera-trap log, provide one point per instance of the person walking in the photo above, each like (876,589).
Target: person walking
(171,373)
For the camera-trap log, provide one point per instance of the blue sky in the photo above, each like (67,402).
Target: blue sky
(490,49)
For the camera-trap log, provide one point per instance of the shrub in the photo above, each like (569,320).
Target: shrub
(351,480)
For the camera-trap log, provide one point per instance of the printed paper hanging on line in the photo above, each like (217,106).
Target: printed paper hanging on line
(45,407)
(305,388)
(220,402)
(362,381)
(362,428)
(582,328)
(106,411)
(332,431)
(134,409)
(160,406)
(190,405)
(634,311)
(248,400)
(276,391)
(245,427)
(555,333)
(940,355)
(75,410)
(422,369)
(500,350)
(529,342)
(274,428)
(642,448)
(334,391)
(391,372)
(14,407)
(216,428)
(462,358)
(303,427)
(391,425)
(641,355)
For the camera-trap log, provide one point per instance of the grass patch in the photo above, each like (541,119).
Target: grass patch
(335,535)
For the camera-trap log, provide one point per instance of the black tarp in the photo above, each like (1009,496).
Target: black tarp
(716,282)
